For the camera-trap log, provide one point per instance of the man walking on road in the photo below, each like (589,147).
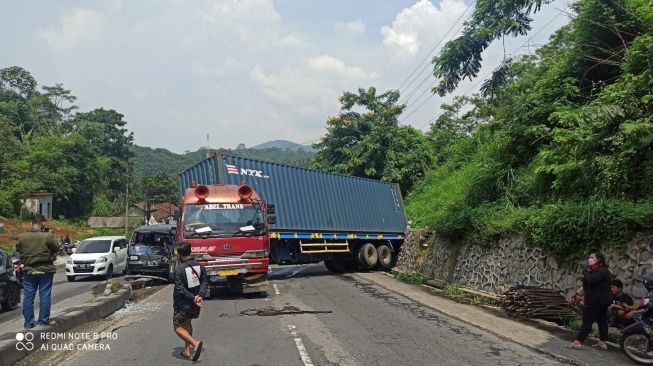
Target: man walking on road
(191,285)
(37,251)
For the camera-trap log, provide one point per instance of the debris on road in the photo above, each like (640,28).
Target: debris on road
(286,310)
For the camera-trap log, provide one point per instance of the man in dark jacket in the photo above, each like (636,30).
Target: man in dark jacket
(191,285)
(37,251)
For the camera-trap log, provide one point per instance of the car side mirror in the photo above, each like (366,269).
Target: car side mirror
(74,250)
(271,208)
(116,249)
(175,215)
(272,219)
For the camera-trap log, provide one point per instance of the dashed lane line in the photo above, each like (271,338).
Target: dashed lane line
(306,359)
(276,289)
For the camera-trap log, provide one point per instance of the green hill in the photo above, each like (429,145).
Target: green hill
(149,161)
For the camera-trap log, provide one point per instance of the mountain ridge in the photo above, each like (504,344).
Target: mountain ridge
(149,161)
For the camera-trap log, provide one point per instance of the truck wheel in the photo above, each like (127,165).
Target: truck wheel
(368,255)
(336,265)
(329,265)
(385,256)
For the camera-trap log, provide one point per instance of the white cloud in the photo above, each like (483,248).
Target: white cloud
(72,29)
(176,67)
(329,65)
(421,23)
(353,27)
(199,69)
(314,84)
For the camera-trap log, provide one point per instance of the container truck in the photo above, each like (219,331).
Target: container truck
(240,215)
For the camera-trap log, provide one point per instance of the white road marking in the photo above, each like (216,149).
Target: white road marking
(276,289)
(306,359)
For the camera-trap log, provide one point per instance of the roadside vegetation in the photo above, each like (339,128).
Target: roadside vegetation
(557,145)
(414,278)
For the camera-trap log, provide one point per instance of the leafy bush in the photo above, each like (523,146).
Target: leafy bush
(573,228)
(565,151)
(415,278)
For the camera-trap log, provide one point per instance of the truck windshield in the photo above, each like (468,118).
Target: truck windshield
(223,219)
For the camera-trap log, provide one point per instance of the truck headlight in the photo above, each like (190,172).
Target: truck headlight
(69,261)
(254,254)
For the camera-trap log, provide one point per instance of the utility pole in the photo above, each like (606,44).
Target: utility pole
(127,200)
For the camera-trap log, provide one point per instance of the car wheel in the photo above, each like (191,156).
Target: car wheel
(13,298)
(109,272)
(70,278)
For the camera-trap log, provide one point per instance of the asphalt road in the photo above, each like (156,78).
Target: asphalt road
(61,290)
(367,325)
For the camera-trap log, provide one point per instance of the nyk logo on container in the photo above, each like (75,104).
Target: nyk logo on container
(231,169)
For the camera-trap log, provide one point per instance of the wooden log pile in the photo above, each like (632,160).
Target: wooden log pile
(537,302)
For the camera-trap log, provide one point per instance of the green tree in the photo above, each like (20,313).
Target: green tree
(44,147)
(365,140)
(564,151)
(158,188)
(106,130)
(461,58)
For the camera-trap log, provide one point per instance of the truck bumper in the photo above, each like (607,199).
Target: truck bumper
(243,275)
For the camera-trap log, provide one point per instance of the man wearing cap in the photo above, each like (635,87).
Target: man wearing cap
(38,251)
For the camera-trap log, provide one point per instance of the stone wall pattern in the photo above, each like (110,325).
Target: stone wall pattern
(513,261)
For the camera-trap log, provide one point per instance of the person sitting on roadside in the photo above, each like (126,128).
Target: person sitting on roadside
(632,310)
(616,311)
(577,298)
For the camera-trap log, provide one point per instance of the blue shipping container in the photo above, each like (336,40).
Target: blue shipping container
(309,200)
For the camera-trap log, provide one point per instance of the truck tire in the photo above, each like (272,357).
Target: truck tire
(368,255)
(385,256)
(335,265)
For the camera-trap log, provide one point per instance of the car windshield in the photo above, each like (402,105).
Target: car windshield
(223,219)
(94,246)
(151,239)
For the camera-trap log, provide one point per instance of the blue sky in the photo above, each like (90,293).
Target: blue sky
(245,71)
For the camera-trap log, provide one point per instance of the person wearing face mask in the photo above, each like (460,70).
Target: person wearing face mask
(598,297)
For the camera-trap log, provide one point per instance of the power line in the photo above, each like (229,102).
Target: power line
(530,38)
(428,55)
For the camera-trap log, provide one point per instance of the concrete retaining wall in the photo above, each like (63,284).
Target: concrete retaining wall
(513,260)
(74,317)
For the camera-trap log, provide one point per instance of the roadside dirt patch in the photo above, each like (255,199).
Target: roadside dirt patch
(58,229)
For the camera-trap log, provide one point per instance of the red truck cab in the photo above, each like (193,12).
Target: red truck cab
(226,226)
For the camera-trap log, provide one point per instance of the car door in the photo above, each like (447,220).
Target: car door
(4,274)
(123,254)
